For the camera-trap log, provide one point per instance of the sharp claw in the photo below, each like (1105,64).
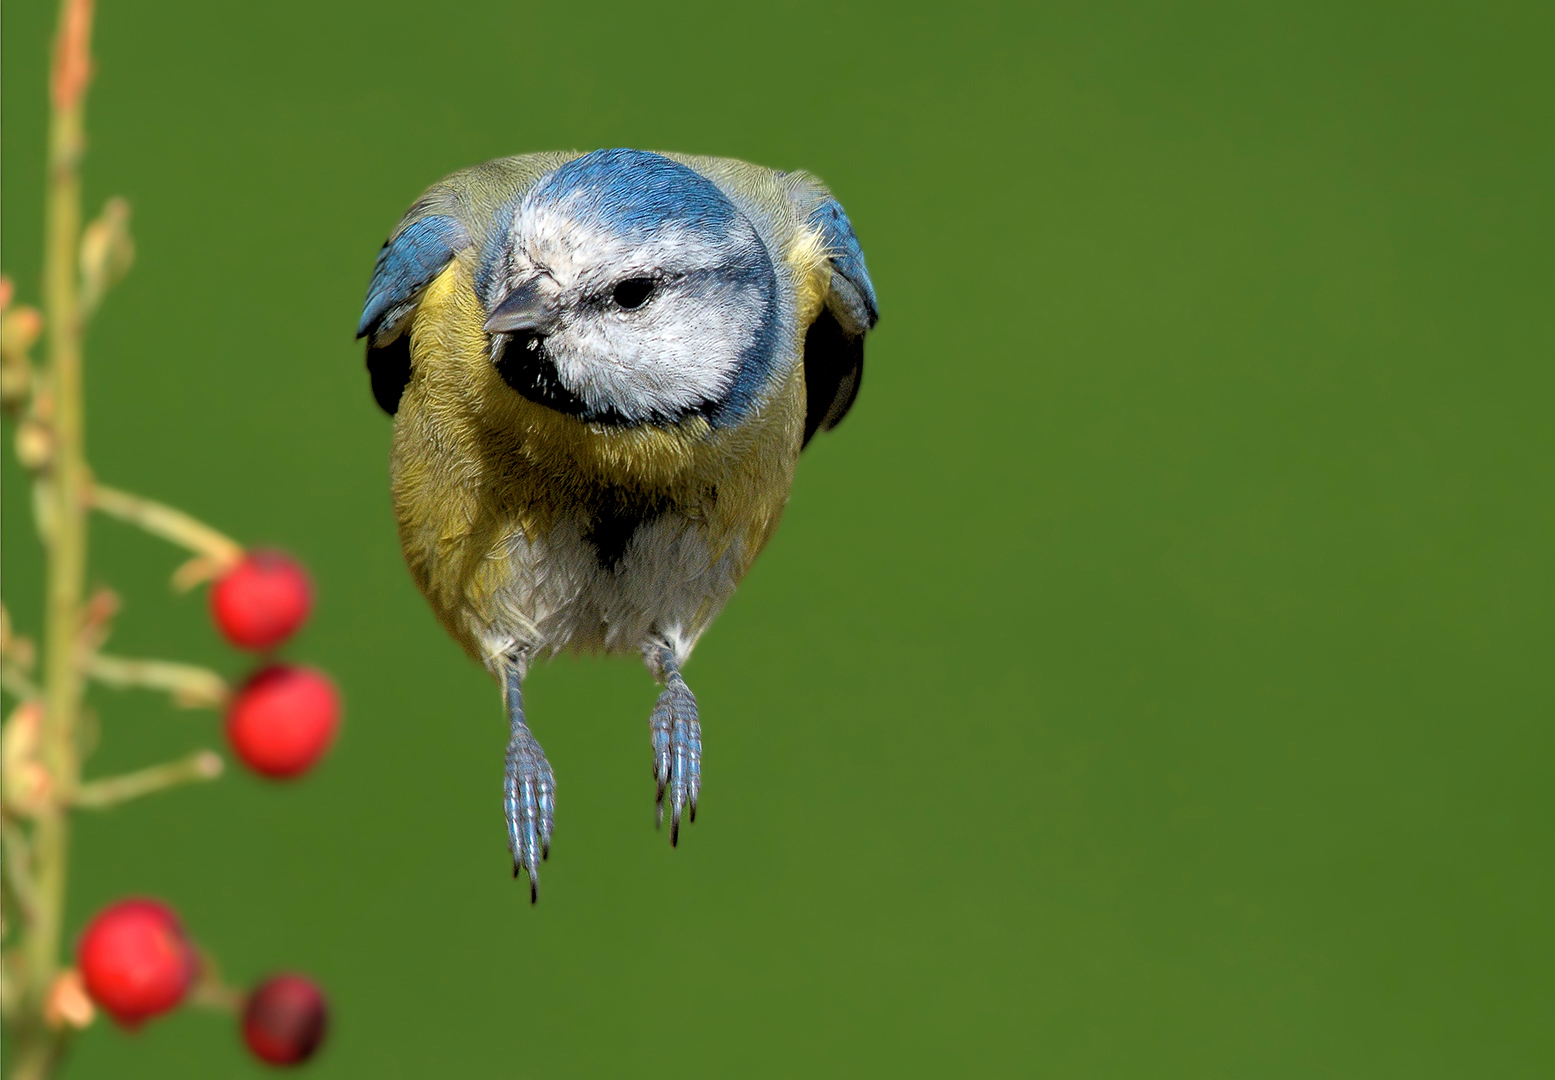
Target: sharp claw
(529,797)
(677,805)
(677,754)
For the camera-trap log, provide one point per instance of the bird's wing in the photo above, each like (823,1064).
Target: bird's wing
(410,259)
(463,210)
(834,344)
(804,221)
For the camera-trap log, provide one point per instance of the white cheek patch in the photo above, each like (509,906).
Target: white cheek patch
(681,351)
(678,353)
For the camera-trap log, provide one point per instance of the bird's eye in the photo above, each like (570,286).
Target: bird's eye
(633,292)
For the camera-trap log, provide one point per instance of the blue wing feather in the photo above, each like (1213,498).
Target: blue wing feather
(407,263)
(847,259)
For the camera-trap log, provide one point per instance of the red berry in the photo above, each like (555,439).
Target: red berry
(283,719)
(262,600)
(285,1020)
(136,961)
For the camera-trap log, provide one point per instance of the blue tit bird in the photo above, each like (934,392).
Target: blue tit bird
(602,368)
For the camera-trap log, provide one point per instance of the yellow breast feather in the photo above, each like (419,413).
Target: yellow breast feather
(475,463)
(810,262)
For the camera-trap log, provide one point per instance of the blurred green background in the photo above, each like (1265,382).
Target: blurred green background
(1150,678)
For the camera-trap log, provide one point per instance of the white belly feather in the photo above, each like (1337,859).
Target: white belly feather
(667,584)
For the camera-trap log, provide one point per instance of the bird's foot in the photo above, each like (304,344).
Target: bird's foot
(677,750)
(528,797)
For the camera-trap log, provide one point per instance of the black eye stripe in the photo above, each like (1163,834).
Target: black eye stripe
(633,292)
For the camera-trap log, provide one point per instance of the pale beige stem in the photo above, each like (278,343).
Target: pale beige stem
(169,523)
(101,794)
(217,998)
(14,680)
(211,991)
(36,1050)
(190,686)
(16,854)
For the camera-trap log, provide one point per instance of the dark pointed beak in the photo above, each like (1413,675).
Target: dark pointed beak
(525,308)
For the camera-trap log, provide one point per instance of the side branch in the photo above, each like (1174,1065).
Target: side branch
(17,659)
(190,686)
(101,794)
(217,552)
(16,681)
(15,861)
(211,990)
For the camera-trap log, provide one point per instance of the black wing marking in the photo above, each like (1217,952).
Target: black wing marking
(834,344)
(406,265)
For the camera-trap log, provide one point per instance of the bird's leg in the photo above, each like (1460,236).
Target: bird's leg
(677,741)
(528,787)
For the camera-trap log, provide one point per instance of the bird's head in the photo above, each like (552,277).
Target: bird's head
(629,289)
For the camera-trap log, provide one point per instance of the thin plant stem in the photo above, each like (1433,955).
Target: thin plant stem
(17,856)
(103,794)
(189,685)
(40,1047)
(15,681)
(211,990)
(167,522)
